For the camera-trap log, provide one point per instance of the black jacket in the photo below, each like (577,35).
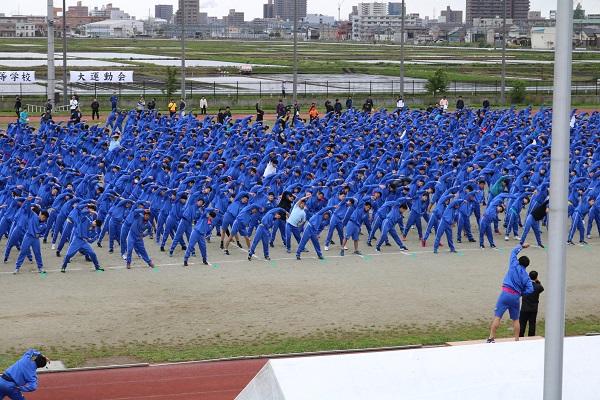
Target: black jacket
(530,301)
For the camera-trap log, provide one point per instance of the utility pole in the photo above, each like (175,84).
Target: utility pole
(503,78)
(51,71)
(402,50)
(557,218)
(64,45)
(295,82)
(182,10)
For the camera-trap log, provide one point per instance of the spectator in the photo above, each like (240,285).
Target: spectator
(460,104)
(283,89)
(443,103)
(227,113)
(114,101)
(204,105)
(486,104)
(337,107)
(18,106)
(349,103)
(95,109)
(75,116)
(221,116)
(23,117)
(296,109)
(368,106)
(141,105)
(313,113)
(172,107)
(328,106)
(49,106)
(73,104)
(400,104)
(280,109)
(529,306)
(259,112)
(151,104)
(182,105)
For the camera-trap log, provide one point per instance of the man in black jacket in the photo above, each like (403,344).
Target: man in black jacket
(529,306)
(95,109)
(460,103)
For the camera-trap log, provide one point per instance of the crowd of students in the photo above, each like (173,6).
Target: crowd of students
(352,176)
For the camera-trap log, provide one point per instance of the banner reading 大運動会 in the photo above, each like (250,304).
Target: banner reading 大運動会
(101,76)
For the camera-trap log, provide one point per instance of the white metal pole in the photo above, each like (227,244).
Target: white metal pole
(51,69)
(295,83)
(559,183)
(64,44)
(182,49)
(402,50)
(503,74)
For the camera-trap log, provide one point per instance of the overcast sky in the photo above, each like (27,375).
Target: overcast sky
(253,8)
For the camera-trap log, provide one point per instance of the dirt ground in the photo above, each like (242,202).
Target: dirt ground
(234,299)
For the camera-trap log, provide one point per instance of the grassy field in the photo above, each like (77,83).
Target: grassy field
(331,58)
(362,338)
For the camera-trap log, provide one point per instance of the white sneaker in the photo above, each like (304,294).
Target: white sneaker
(124,257)
(53,246)
(345,247)
(589,236)
(326,248)
(517,238)
(506,238)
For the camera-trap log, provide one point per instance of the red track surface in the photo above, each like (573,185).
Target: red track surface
(188,381)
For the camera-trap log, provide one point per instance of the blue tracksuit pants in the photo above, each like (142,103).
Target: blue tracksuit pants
(196,238)
(289,231)
(80,246)
(531,223)
(442,229)
(183,228)
(335,225)
(309,234)
(136,245)
(33,244)
(389,229)
(65,235)
(262,236)
(278,226)
(577,224)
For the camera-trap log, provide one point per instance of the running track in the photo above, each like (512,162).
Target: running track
(222,380)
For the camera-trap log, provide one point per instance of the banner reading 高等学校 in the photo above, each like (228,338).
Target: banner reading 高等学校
(101,77)
(16,77)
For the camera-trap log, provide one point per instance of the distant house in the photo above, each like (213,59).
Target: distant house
(457,35)
(114,28)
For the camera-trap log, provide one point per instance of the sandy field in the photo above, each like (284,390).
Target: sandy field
(234,299)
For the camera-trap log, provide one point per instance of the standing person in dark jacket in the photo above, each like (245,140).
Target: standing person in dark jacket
(460,103)
(95,109)
(529,306)
(533,222)
(18,106)
(260,113)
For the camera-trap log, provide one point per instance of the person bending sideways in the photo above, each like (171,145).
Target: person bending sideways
(516,283)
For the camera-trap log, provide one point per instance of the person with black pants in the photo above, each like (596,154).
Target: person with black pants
(95,109)
(529,306)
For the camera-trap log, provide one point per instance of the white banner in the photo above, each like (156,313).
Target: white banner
(17,77)
(101,76)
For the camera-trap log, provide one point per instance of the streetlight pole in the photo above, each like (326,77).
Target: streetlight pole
(559,184)
(51,70)
(295,80)
(402,51)
(64,45)
(182,49)
(503,78)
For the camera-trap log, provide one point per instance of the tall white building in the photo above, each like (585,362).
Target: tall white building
(368,27)
(118,28)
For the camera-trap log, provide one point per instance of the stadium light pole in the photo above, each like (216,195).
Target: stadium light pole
(51,70)
(295,79)
(64,50)
(402,50)
(503,77)
(559,183)
(182,9)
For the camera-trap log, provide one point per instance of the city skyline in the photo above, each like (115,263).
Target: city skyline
(141,9)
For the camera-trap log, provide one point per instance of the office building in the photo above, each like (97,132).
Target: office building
(234,18)
(284,9)
(163,11)
(191,10)
(372,9)
(78,11)
(269,10)
(450,16)
(515,9)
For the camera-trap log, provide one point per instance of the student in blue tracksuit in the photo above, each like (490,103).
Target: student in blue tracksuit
(35,220)
(356,215)
(140,227)
(263,232)
(188,216)
(449,218)
(116,215)
(84,233)
(313,229)
(380,215)
(577,219)
(490,215)
(418,210)
(295,222)
(21,377)
(201,230)
(18,229)
(231,214)
(242,225)
(336,220)
(516,283)
(393,218)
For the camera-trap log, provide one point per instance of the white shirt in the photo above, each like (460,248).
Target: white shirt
(270,170)
(400,104)
(203,103)
(297,216)
(444,104)
(73,104)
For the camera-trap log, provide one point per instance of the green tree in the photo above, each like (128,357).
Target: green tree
(171,82)
(437,84)
(579,12)
(517,93)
